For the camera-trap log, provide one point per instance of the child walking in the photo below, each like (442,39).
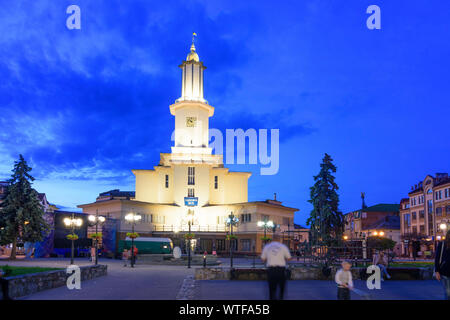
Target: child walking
(344,281)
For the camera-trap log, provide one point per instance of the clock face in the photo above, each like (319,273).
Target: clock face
(191,121)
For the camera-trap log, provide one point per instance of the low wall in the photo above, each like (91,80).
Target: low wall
(306,273)
(168,259)
(23,285)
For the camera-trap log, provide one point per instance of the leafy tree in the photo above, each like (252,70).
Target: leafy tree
(326,221)
(21,214)
(380,243)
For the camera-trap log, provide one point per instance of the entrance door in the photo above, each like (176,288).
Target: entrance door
(206,245)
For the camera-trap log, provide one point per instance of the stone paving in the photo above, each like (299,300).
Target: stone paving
(318,290)
(146,282)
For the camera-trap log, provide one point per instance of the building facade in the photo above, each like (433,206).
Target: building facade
(192,184)
(422,213)
(360,224)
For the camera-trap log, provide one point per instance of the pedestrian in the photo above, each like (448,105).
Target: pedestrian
(125,256)
(276,255)
(298,254)
(442,264)
(93,254)
(344,281)
(380,260)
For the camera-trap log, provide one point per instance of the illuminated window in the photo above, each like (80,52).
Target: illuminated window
(191,176)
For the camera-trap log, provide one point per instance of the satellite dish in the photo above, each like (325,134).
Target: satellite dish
(177,252)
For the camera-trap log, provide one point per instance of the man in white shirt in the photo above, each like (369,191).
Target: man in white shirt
(275,255)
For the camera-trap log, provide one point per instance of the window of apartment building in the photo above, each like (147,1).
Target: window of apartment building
(191,192)
(265,217)
(447,209)
(220,244)
(430,206)
(438,195)
(414,230)
(216,182)
(167,180)
(421,214)
(446,193)
(221,219)
(234,244)
(246,245)
(439,211)
(407,220)
(191,176)
(414,216)
(158,219)
(246,217)
(286,221)
(422,229)
(364,215)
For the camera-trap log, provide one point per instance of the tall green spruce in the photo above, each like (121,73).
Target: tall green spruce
(21,214)
(326,221)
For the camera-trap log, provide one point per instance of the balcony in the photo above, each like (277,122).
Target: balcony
(194,228)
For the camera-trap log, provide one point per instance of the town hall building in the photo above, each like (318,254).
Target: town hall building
(191,184)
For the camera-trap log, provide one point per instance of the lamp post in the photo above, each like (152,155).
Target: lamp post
(190,218)
(132,218)
(96,220)
(72,222)
(265,224)
(231,222)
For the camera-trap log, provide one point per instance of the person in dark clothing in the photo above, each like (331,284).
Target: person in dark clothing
(442,264)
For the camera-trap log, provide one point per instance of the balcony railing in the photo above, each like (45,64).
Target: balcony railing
(185,228)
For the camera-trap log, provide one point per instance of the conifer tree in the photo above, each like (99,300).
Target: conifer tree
(326,221)
(21,213)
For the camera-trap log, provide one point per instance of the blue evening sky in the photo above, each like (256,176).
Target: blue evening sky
(86,106)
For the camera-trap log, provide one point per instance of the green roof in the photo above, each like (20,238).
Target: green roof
(383,207)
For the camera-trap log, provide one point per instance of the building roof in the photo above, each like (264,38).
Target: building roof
(381,207)
(388,222)
(298,226)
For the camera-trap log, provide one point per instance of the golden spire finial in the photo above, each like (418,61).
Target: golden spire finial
(192,55)
(193,40)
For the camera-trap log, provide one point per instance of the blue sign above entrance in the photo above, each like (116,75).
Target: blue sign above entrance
(190,201)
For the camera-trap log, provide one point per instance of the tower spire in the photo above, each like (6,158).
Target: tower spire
(192,76)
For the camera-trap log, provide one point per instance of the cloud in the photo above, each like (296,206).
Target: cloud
(91,104)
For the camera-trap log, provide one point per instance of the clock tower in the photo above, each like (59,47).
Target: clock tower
(191,110)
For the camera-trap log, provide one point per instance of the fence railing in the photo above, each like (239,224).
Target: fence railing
(185,228)
(334,255)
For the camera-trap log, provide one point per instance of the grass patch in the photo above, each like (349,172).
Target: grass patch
(411,264)
(11,271)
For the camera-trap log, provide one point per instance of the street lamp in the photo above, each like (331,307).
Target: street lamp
(132,218)
(96,220)
(443,226)
(190,219)
(265,225)
(231,222)
(72,222)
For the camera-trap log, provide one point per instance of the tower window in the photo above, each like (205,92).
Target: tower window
(167,180)
(191,176)
(191,192)
(216,182)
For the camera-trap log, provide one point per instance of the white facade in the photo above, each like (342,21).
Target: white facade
(191,170)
